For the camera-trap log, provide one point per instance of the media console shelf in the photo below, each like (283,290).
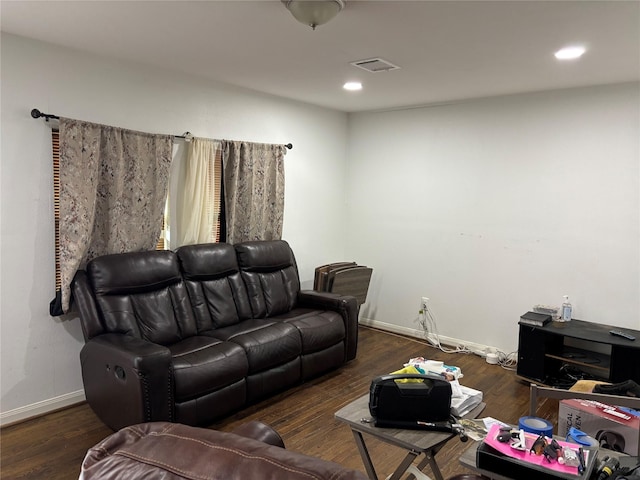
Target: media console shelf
(587,346)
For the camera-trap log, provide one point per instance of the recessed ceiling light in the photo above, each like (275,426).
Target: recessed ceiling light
(352,86)
(570,53)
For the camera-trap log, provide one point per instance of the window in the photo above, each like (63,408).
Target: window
(193,213)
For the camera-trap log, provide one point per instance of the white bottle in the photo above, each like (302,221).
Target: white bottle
(566,309)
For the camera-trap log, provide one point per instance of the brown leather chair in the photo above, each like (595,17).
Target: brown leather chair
(166,451)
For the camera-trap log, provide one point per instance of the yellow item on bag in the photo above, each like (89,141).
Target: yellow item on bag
(410,369)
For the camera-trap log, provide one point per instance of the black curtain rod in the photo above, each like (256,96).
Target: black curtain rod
(35,113)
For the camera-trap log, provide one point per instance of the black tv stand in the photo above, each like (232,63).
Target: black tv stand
(585,346)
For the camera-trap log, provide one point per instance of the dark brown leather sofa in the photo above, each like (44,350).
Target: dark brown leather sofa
(169,451)
(192,335)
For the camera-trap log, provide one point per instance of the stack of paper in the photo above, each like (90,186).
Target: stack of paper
(463,399)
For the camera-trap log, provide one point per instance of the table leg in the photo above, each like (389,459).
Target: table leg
(364,453)
(429,458)
(408,460)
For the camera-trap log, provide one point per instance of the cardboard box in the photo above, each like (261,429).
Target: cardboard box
(614,428)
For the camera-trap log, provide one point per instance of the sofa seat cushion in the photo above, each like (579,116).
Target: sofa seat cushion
(266,343)
(204,364)
(319,329)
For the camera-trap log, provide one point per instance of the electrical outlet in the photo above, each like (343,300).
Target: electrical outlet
(424,302)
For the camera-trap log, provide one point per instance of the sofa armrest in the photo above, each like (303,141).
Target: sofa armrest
(261,432)
(127,380)
(345,305)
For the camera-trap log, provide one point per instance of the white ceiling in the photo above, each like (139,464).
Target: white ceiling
(447,50)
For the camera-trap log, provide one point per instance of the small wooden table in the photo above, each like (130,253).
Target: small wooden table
(417,442)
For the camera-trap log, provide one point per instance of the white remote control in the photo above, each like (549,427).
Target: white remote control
(618,333)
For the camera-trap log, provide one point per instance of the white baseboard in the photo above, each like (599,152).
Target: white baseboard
(40,408)
(415,333)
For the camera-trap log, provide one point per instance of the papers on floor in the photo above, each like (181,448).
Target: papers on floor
(463,399)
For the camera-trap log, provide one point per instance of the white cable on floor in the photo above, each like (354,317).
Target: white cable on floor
(427,321)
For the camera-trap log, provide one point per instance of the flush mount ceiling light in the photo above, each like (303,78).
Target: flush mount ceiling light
(352,86)
(570,53)
(314,12)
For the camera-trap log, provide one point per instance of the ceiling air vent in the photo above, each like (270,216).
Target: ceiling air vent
(375,65)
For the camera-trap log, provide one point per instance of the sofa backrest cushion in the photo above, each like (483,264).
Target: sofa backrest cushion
(216,289)
(142,294)
(270,273)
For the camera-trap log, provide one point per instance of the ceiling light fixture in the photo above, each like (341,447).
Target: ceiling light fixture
(570,53)
(314,12)
(352,86)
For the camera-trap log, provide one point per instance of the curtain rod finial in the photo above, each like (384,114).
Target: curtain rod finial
(289,146)
(35,113)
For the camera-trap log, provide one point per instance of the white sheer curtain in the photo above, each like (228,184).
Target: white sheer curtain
(197,205)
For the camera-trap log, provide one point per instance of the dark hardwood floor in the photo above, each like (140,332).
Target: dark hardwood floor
(52,446)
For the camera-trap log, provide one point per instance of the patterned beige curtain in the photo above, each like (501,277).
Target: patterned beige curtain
(113,185)
(253,190)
